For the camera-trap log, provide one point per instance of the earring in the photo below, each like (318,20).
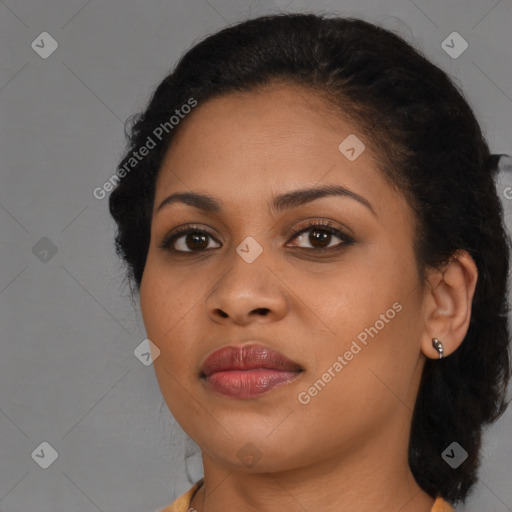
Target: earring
(438,346)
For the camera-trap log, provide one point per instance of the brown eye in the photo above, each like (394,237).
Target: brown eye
(194,241)
(190,239)
(320,236)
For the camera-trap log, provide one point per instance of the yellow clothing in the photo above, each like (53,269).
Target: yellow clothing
(182,504)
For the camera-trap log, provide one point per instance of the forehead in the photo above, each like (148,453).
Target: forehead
(245,146)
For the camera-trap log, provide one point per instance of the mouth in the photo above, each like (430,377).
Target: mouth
(247,371)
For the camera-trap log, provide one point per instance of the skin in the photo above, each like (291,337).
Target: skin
(347,448)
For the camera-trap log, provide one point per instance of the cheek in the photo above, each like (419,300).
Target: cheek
(153,304)
(354,299)
(166,322)
(373,319)
(166,314)
(163,300)
(357,386)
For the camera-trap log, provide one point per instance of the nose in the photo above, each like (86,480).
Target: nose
(247,293)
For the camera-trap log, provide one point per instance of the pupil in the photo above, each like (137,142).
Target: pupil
(321,238)
(196,240)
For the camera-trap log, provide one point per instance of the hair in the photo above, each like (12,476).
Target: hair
(430,147)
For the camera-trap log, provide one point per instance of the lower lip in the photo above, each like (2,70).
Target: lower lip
(248,383)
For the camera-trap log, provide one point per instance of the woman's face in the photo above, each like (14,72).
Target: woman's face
(343,306)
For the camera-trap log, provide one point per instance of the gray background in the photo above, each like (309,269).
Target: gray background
(68,374)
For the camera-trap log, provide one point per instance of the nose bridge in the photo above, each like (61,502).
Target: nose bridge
(249,265)
(251,240)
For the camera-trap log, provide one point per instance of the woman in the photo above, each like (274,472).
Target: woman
(307,210)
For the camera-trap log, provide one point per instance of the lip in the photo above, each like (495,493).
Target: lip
(247,371)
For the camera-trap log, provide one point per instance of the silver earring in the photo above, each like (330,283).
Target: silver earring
(438,346)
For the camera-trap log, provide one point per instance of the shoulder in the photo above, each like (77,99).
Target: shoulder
(182,503)
(441,505)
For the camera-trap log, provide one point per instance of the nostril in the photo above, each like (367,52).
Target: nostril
(262,311)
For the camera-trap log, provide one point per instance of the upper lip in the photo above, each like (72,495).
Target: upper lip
(246,357)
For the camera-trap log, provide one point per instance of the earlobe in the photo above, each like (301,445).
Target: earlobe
(447,307)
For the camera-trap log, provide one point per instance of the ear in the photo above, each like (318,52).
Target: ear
(447,304)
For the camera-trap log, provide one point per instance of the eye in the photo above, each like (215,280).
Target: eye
(191,237)
(321,234)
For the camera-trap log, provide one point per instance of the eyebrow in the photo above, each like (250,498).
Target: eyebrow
(282,202)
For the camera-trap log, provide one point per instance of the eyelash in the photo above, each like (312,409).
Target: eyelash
(326,226)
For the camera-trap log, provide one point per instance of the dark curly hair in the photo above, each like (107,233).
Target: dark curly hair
(431,149)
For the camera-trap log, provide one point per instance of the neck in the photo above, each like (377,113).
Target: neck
(372,479)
